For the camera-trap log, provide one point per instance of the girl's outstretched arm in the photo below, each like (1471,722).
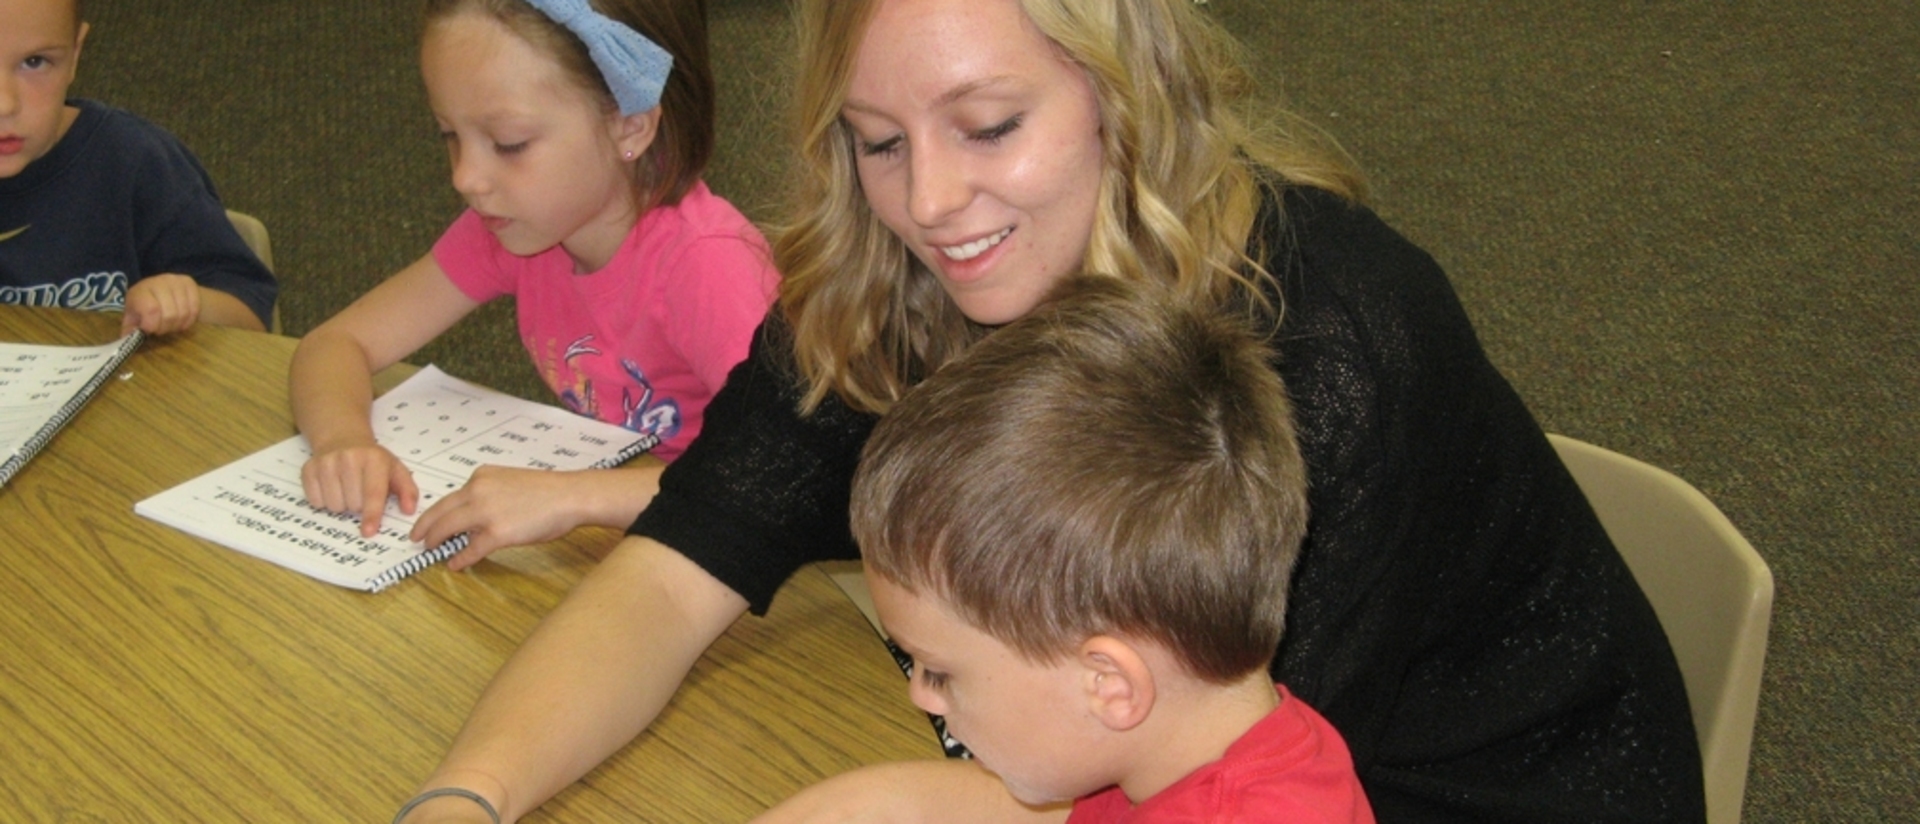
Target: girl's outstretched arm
(617,647)
(331,386)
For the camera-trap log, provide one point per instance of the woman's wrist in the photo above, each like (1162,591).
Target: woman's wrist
(446,804)
(458,795)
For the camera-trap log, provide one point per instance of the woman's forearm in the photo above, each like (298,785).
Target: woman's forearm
(617,648)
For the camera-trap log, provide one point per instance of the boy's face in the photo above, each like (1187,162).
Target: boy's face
(40,47)
(1028,723)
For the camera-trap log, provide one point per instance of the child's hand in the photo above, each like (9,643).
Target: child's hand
(358,479)
(161,305)
(503,507)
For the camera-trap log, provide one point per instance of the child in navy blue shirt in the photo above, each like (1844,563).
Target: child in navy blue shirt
(102,210)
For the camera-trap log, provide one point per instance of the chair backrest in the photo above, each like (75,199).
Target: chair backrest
(255,234)
(1713,593)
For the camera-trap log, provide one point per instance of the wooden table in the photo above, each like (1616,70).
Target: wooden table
(146,675)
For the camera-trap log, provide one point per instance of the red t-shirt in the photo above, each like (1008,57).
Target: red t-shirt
(1290,767)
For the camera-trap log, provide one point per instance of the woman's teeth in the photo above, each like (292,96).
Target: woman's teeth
(969,251)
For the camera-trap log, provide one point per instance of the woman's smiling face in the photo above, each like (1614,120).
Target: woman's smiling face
(978,144)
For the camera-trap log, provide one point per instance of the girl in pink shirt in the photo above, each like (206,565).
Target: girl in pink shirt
(577,139)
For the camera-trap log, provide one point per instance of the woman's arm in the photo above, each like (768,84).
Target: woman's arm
(926,791)
(615,650)
(331,387)
(623,640)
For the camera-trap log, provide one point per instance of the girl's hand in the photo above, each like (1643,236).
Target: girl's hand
(503,507)
(359,479)
(161,305)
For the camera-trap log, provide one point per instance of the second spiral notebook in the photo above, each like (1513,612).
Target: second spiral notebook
(443,428)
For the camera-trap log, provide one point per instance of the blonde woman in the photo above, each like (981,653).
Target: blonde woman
(1457,612)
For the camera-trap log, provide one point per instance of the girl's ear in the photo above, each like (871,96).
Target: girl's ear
(1117,680)
(634,133)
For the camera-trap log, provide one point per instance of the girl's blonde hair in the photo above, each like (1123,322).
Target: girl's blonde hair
(1181,190)
(684,142)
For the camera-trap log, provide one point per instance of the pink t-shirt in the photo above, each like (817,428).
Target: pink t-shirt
(646,341)
(1290,767)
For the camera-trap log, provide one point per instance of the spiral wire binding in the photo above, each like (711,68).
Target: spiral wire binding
(72,407)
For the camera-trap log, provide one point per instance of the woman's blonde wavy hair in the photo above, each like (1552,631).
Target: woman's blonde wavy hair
(1177,201)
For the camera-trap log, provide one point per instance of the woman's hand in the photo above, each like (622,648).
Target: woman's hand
(357,480)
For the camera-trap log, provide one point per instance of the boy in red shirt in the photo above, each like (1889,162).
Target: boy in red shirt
(1082,532)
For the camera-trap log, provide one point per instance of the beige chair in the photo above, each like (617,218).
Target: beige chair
(255,234)
(1713,593)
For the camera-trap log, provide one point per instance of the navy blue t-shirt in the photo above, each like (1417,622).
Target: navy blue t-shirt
(116,200)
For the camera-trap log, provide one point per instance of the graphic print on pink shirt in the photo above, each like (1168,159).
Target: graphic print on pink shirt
(572,380)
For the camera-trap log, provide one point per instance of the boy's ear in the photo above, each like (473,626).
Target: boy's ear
(79,45)
(1117,680)
(634,133)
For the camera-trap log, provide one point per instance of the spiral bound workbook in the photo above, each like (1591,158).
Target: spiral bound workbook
(42,387)
(441,427)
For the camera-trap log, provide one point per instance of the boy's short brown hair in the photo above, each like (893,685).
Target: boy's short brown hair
(1117,462)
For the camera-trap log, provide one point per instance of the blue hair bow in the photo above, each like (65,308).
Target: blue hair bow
(635,68)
